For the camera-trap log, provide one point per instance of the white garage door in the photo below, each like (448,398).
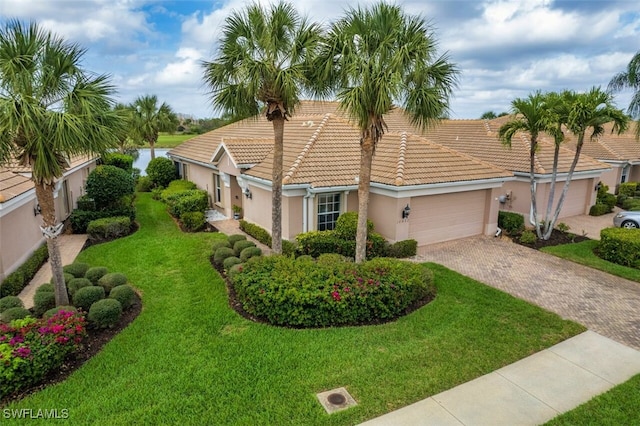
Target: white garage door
(437,218)
(576,200)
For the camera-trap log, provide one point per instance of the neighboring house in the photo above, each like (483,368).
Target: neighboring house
(20,218)
(479,138)
(448,194)
(621,152)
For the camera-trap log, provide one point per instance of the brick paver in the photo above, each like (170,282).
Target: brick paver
(604,303)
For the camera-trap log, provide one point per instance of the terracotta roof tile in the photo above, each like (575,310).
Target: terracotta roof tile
(12,184)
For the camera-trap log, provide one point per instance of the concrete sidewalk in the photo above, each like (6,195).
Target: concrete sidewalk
(70,245)
(530,391)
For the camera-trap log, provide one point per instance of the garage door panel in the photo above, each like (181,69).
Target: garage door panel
(576,200)
(446,217)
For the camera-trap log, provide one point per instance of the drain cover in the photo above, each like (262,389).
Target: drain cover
(336,400)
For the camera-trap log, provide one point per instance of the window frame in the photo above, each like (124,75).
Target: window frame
(332,203)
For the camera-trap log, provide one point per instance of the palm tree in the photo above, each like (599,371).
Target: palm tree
(530,115)
(149,120)
(125,136)
(50,109)
(374,59)
(630,79)
(263,62)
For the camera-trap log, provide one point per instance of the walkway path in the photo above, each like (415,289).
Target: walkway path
(70,245)
(231,226)
(590,226)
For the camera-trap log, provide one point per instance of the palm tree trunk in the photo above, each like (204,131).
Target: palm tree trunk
(44,194)
(366,158)
(152,144)
(532,181)
(548,224)
(276,186)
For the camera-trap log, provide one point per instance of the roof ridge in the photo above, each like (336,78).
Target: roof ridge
(608,148)
(301,156)
(538,165)
(401,158)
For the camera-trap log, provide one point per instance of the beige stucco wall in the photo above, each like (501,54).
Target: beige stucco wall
(611,177)
(292,210)
(634,174)
(258,208)
(386,215)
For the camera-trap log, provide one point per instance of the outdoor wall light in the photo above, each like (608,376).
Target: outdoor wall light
(37,210)
(598,186)
(247,193)
(406,211)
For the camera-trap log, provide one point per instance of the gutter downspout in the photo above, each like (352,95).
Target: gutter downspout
(305,211)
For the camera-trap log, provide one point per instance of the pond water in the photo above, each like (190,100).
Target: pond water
(144,156)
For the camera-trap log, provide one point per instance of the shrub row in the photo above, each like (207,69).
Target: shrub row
(234,250)
(628,189)
(13,284)
(106,185)
(599,209)
(511,223)
(80,219)
(330,291)
(261,234)
(109,228)
(161,171)
(621,246)
(122,161)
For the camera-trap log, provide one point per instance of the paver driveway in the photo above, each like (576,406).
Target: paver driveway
(604,303)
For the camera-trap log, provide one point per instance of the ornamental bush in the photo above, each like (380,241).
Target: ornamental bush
(315,243)
(85,202)
(599,209)
(122,161)
(80,219)
(144,184)
(230,261)
(95,273)
(194,200)
(107,185)
(511,223)
(221,254)
(250,252)
(123,294)
(193,221)
(528,237)
(109,228)
(87,296)
(105,313)
(161,171)
(76,284)
(77,269)
(111,280)
(18,279)
(30,348)
(9,302)
(628,189)
(67,277)
(261,234)
(220,243)
(10,315)
(238,246)
(42,302)
(278,290)
(621,246)
(51,312)
(48,287)
(404,248)
(631,204)
(347,226)
(233,239)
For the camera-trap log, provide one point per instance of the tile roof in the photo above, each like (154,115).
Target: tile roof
(75,161)
(247,152)
(12,184)
(611,146)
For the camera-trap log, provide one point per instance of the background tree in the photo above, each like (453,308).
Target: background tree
(630,79)
(51,109)
(149,119)
(375,58)
(263,62)
(125,140)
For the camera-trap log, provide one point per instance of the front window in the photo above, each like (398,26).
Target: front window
(217,189)
(625,174)
(328,211)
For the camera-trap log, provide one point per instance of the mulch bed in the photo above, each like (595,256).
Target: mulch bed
(92,344)
(557,238)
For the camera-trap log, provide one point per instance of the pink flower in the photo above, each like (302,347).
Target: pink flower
(15,340)
(336,296)
(22,352)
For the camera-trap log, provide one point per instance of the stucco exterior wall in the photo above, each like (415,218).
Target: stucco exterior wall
(611,177)
(292,211)
(258,208)
(20,235)
(386,214)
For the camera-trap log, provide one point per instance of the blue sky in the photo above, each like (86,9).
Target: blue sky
(505,49)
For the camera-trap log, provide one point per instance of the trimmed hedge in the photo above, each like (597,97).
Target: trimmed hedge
(9,302)
(628,189)
(87,296)
(315,243)
(250,252)
(76,284)
(220,243)
(14,314)
(621,246)
(122,161)
(80,219)
(42,302)
(193,221)
(230,261)
(241,245)
(404,248)
(77,269)
(233,239)
(261,234)
(107,185)
(13,283)
(85,202)
(599,209)
(511,223)
(95,273)
(111,280)
(109,228)
(161,171)
(105,313)
(144,184)
(280,291)
(123,294)
(347,226)
(631,204)
(221,254)
(48,287)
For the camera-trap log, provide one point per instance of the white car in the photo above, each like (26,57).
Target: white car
(627,219)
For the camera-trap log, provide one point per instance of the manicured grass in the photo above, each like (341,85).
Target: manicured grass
(583,253)
(190,359)
(166,140)
(618,406)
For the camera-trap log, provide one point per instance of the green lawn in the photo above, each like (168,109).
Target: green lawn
(190,359)
(166,140)
(583,253)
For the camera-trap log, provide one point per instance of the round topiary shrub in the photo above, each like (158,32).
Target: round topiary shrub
(250,252)
(48,287)
(220,243)
(107,185)
(235,238)
(77,269)
(305,258)
(95,273)
(278,290)
(241,245)
(161,171)
(52,312)
(14,314)
(347,226)
(230,261)
(331,259)
(76,284)
(221,254)
(87,296)
(42,302)
(112,280)
(123,294)
(67,277)
(235,269)
(9,302)
(105,313)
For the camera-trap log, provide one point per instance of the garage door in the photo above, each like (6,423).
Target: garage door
(444,217)
(576,200)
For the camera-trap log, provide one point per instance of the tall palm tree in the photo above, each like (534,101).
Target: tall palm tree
(50,109)
(531,116)
(630,79)
(377,58)
(149,120)
(263,61)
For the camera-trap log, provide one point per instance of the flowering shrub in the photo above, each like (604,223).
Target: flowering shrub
(308,293)
(30,348)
